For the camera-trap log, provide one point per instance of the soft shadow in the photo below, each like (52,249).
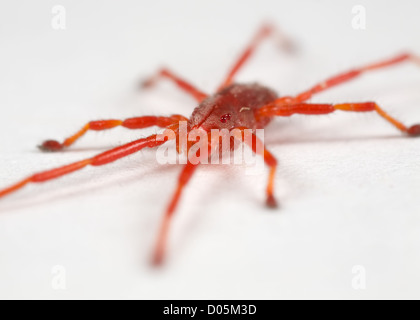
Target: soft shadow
(282,133)
(76,149)
(308,139)
(33,198)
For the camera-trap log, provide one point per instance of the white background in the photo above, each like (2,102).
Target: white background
(348,183)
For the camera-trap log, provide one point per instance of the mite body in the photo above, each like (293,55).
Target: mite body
(233,106)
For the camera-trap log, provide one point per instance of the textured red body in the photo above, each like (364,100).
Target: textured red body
(237,104)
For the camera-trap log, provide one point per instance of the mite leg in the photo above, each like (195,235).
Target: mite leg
(258,148)
(99,160)
(182,84)
(349,75)
(312,109)
(132,123)
(263,32)
(183,179)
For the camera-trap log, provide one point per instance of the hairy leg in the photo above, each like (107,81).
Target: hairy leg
(98,160)
(264,32)
(316,108)
(350,75)
(182,84)
(183,179)
(258,148)
(132,123)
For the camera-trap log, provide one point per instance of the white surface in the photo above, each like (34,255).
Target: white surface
(348,183)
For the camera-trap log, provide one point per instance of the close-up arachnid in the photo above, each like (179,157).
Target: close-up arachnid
(233,106)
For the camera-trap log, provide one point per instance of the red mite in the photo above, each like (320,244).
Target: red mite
(233,106)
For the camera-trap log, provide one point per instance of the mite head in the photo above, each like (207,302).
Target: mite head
(220,112)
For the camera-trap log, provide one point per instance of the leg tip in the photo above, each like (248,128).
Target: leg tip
(157,260)
(147,83)
(266,29)
(271,202)
(51,146)
(414,131)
